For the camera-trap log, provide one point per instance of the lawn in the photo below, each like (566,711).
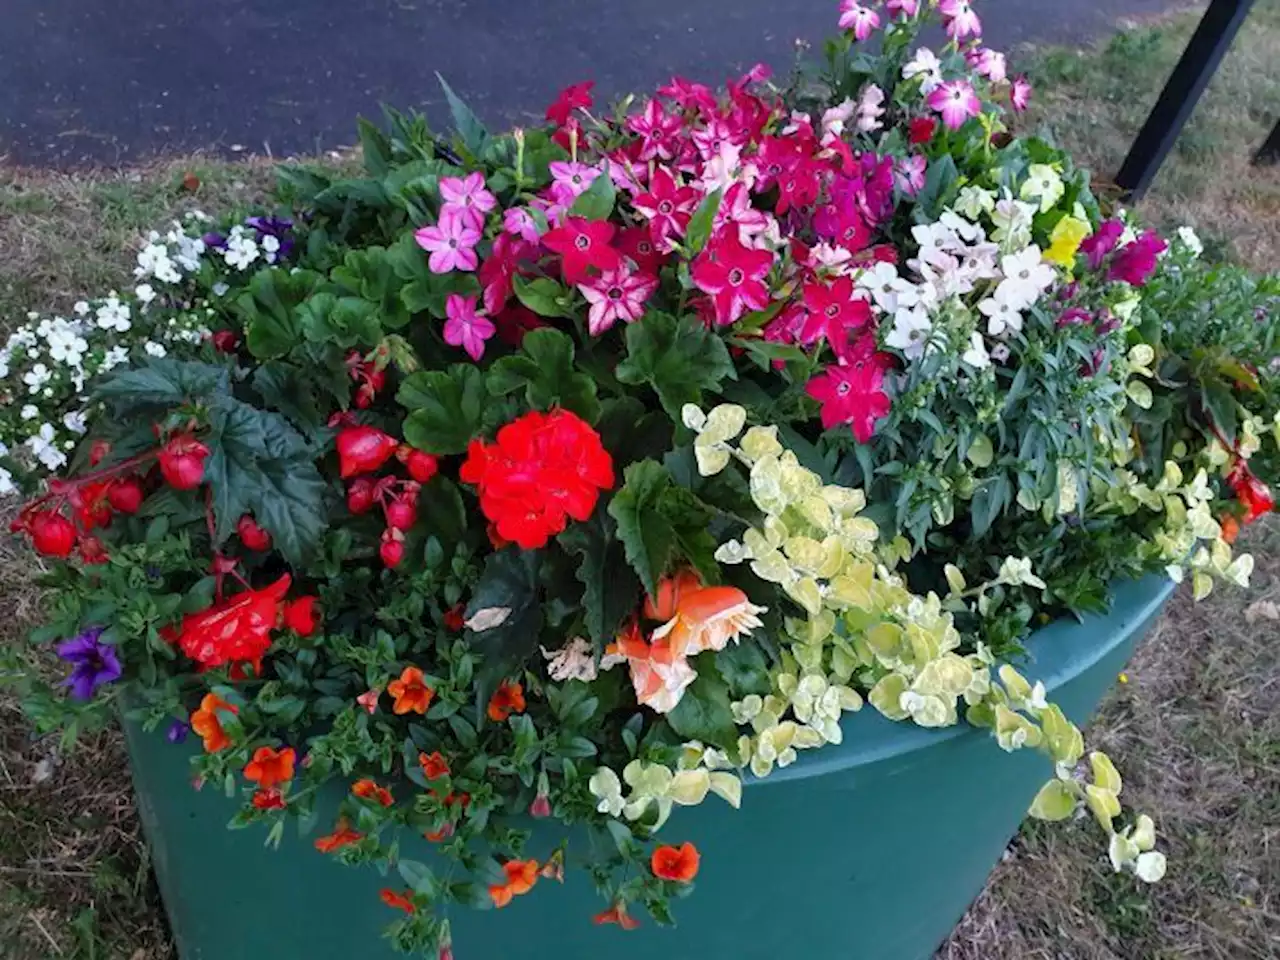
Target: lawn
(1196,723)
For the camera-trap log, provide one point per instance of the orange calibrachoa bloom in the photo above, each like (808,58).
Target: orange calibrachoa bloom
(1230,528)
(617,914)
(675,863)
(270,767)
(434,765)
(342,836)
(271,799)
(411,693)
(506,700)
(399,901)
(208,727)
(521,876)
(368,790)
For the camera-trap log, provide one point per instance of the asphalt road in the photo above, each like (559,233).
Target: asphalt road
(87,82)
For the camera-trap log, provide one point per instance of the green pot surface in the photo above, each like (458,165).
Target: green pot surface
(870,850)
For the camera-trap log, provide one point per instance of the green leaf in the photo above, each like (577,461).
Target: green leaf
(678,358)
(268,310)
(661,524)
(418,876)
(288,389)
(544,370)
(765,352)
(544,296)
(703,713)
(509,582)
(596,202)
(1220,403)
(988,503)
(447,408)
(165,383)
(259,464)
(611,587)
(699,229)
(744,668)
(468,125)
(345,321)
(934,195)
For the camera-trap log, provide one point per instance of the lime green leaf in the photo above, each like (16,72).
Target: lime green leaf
(544,370)
(1055,801)
(678,358)
(447,408)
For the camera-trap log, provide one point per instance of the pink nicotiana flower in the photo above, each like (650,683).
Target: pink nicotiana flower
(861,20)
(736,209)
(616,295)
(956,102)
(836,311)
(734,275)
(689,95)
(468,197)
(960,19)
(854,393)
(870,109)
(569,180)
(907,8)
(625,171)
(465,327)
(1020,93)
(518,222)
(908,174)
(658,130)
(451,243)
(577,96)
(988,63)
(667,206)
(636,244)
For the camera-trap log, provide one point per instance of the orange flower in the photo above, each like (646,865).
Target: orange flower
(411,692)
(1230,529)
(208,727)
(506,700)
(659,675)
(342,836)
(617,914)
(368,790)
(708,619)
(521,876)
(675,863)
(268,800)
(270,767)
(398,901)
(444,833)
(670,590)
(434,766)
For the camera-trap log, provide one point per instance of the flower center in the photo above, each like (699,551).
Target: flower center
(832,311)
(843,389)
(736,276)
(665,207)
(453,244)
(615,293)
(582,242)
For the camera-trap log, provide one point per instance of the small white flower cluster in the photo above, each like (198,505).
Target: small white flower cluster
(243,249)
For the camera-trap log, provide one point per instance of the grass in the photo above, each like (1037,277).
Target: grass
(1197,728)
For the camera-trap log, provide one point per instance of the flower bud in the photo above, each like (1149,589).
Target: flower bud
(363,450)
(52,534)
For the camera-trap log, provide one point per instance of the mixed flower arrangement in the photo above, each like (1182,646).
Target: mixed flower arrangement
(584,470)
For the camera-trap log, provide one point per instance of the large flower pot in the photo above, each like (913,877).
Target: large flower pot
(870,850)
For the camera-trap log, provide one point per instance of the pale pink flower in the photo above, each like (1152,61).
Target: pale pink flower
(961,20)
(908,174)
(834,118)
(956,102)
(518,222)
(870,109)
(465,327)
(569,180)
(988,63)
(616,295)
(908,8)
(451,243)
(925,65)
(1020,93)
(468,196)
(861,20)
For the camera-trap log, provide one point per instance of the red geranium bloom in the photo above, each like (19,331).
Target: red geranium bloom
(667,206)
(506,700)
(543,469)
(617,914)
(922,130)
(366,789)
(514,321)
(854,394)
(270,767)
(583,244)
(733,274)
(398,901)
(238,629)
(834,313)
(675,863)
(434,766)
(342,836)
(570,99)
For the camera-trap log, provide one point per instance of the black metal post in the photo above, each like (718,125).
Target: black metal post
(1192,74)
(1270,151)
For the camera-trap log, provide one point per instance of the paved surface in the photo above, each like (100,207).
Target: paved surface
(110,81)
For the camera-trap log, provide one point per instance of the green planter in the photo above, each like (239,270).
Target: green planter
(870,850)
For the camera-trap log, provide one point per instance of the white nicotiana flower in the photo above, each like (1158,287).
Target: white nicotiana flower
(67,347)
(154,262)
(37,377)
(1191,241)
(976,355)
(114,358)
(888,289)
(870,109)
(834,119)
(1001,311)
(1027,275)
(154,349)
(44,448)
(114,315)
(1012,219)
(973,202)
(927,67)
(910,333)
(1044,185)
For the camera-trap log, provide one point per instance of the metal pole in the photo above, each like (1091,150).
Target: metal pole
(1192,74)
(1270,151)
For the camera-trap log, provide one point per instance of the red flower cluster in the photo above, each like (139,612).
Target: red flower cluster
(543,469)
(1254,495)
(238,630)
(362,450)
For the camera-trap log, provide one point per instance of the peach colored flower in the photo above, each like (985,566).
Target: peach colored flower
(708,619)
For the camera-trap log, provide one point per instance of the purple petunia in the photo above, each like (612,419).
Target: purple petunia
(94,663)
(277,227)
(177,732)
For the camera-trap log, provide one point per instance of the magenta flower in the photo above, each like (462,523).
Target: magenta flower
(1074,317)
(465,327)
(908,174)
(854,394)
(1097,245)
(956,102)
(689,95)
(960,19)
(734,275)
(908,8)
(988,63)
(658,132)
(518,222)
(1135,262)
(451,243)
(94,663)
(468,197)
(861,20)
(616,295)
(835,312)
(667,206)
(569,180)
(1020,93)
